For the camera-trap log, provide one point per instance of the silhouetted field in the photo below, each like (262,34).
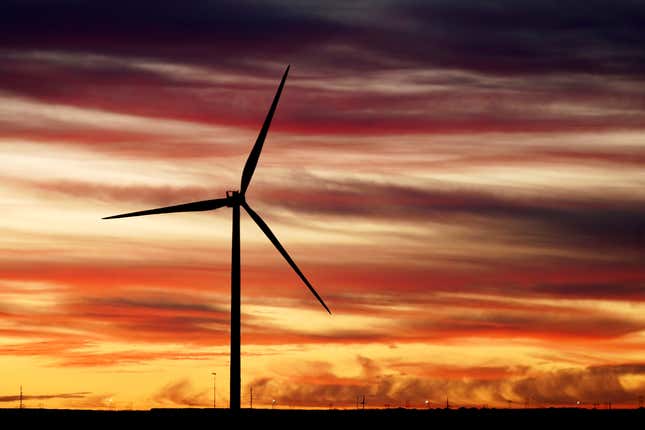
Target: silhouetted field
(303,418)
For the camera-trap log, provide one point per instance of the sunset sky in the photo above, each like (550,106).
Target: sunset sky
(462,181)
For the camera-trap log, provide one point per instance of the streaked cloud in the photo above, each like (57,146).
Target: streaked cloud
(28,397)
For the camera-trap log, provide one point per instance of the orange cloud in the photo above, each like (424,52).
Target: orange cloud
(493,387)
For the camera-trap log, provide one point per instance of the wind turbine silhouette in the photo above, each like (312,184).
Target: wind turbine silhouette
(235,199)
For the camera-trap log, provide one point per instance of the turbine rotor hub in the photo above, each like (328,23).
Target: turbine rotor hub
(235,198)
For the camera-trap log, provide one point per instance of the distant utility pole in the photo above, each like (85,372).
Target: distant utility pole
(214,390)
(640,401)
(251,401)
(21,405)
(363,402)
(447,403)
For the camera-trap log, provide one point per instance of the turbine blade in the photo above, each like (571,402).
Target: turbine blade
(265,228)
(204,205)
(254,156)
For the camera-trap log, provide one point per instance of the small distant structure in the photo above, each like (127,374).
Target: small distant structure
(214,389)
(21,404)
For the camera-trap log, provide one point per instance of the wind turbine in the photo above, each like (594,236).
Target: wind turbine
(235,199)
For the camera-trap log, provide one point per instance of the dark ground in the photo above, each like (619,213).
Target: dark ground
(310,420)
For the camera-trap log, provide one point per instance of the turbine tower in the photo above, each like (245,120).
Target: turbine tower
(235,199)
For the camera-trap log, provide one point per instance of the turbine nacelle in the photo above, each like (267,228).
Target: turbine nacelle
(235,198)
